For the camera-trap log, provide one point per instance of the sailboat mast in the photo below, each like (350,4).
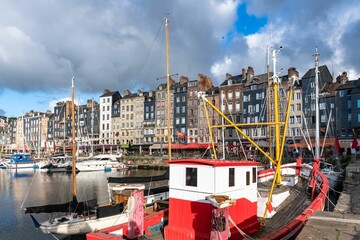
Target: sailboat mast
(222,123)
(269,102)
(168,85)
(73,139)
(317,121)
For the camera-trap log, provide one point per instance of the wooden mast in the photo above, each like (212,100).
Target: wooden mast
(73,140)
(168,86)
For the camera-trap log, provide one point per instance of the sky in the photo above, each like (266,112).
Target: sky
(120,44)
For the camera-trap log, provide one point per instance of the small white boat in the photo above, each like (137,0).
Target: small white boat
(87,217)
(102,162)
(19,161)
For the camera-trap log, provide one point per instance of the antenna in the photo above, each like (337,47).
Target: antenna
(72,75)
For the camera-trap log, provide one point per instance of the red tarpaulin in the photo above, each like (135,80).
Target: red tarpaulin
(328,143)
(355,143)
(337,145)
(188,146)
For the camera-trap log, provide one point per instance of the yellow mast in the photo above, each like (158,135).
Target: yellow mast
(73,140)
(168,87)
(279,136)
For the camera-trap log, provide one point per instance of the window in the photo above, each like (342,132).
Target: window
(247,178)
(231,177)
(254,175)
(191,177)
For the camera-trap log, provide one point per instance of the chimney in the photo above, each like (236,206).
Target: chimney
(205,83)
(228,75)
(343,78)
(250,73)
(183,80)
(292,72)
(243,73)
(127,92)
(106,90)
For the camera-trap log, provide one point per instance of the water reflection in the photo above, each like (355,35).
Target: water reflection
(24,188)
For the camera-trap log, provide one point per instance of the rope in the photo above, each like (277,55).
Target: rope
(328,199)
(240,231)
(54,236)
(27,193)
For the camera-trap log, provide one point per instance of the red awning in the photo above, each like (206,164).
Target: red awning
(188,146)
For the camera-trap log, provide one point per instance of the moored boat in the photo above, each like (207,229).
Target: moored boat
(101,162)
(19,161)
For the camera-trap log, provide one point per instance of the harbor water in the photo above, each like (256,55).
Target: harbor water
(23,188)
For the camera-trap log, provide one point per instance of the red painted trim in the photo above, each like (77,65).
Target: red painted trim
(149,220)
(294,227)
(214,163)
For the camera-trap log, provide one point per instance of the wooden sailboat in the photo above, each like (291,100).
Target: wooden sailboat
(84,217)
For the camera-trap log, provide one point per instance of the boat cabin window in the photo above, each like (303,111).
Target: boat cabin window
(247,178)
(231,177)
(191,177)
(254,175)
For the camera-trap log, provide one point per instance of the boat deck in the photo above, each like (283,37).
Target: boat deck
(288,210)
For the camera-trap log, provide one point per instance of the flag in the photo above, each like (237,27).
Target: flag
(269,207)
(355,143)
(181,135)
(337,145)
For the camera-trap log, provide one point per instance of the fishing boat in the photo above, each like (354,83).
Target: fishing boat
(227,199)
(19,161)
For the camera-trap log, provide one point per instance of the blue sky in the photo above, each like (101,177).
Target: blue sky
(119,45)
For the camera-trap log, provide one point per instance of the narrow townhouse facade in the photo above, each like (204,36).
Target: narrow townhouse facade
(139,100)
(35,131)
(294,132)
(180,110)
(107,99)
(62,111)
(192,111)
(127,131)
(149,118)
(88,126)
(232,105)
(308,97)
(255,107)
(205,85)
(213,96)
(161,115)
(116,123)
(347,107)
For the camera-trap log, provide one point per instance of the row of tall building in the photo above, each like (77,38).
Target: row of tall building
(138,121)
